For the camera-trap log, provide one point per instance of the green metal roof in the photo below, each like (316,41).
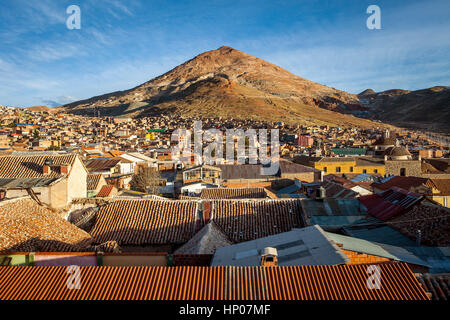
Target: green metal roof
(157,130)
(349,151)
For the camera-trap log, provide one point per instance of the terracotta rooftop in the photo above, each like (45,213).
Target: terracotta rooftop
(342,282)
(105,191)
(432,220)
(32,166)
(233,193)
(244,220)
(101,164)
(142,222)
(405,183)
(442,185)
(27,226)
(93,180)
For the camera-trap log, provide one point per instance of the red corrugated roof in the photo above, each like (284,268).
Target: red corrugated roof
(390,203)
(105,191)
(344,282)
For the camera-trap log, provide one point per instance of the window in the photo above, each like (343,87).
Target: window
(375,171)
(324,169)
(351,169)
(364,170)
(338,169)
(403,172)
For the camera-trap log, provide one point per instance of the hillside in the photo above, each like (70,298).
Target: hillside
(40,109)
(427,109)
(228,83)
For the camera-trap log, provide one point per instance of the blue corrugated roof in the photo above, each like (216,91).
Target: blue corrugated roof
(288,189)
(381,234)
(362,177)
(377,249)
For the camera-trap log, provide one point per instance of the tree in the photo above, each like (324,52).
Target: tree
(146,180)
(36,135)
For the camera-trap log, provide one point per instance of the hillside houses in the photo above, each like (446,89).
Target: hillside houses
(51,179)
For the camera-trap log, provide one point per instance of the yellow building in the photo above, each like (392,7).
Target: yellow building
(348,165)
(440,191)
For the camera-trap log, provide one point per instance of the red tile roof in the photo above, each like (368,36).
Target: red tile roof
(341,282)
(142,222)
(244,220)
(27,226)
(432,220)
(94,165)
(233,193)
(436,284)
(32,166)
(105,191)
(401,182)
(442,185)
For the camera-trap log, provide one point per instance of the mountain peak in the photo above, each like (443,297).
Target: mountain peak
(225,48)
(227,83)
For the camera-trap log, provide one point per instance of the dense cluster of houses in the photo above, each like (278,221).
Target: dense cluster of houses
(328,213)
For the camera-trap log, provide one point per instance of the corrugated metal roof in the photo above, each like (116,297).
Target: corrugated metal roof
(377,249)
(25,183)
(383,234)
(344,282)
(305,246)
(390,203)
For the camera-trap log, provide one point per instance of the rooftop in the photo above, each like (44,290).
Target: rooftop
(212,283)
(31,166)
(141,222)
(27,226)
(306,246)
(233,193)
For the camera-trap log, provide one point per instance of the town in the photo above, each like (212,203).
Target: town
(214,159)
(108,191)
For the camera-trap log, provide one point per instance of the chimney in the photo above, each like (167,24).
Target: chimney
(46,169)
(269,257)
(64,169)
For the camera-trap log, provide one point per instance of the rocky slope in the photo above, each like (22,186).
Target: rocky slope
(428,108)
(228,83)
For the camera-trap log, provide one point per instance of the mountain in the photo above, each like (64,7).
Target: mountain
(426,109)
(40,109)
(228,83)
(366,92)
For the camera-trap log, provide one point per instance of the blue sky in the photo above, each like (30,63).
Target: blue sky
(123,43)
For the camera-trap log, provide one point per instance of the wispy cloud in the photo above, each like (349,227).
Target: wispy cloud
(59,101)
(123,43)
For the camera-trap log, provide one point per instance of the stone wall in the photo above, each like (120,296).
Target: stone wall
(412,167)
